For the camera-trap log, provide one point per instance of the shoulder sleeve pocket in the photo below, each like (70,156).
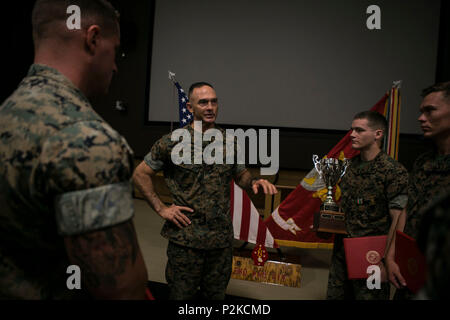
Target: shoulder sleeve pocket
(92,209)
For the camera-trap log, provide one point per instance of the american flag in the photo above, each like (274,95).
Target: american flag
(247,223)
(185,116)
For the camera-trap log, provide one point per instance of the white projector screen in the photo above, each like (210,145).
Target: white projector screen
(298,64)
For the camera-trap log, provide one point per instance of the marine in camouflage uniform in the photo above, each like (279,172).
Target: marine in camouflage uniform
(369,190)
(63,171)
(429,178)
(200,253)
(431,172)
(198,174)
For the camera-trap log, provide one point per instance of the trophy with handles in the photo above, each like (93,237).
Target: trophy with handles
(330,218)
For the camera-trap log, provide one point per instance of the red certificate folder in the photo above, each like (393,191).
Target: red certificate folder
(362,252)
(411,261)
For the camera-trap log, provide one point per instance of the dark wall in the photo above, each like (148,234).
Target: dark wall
(132,82)
(16,46)
(443,59)
(296,145)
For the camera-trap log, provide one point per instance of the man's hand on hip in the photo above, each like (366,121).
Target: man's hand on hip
(174,214)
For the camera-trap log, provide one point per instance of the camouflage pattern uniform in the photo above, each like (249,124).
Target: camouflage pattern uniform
(369,190)
(429,178)
(434,241)
(63,171)
(201,253)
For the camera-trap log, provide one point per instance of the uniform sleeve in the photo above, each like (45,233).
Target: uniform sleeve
(397,187)
(88,168)
(238,159)
(158,155)
(398,202)
(238,169)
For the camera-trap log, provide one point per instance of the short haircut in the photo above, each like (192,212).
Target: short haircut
(197,85)
(49,15)
(375,120)
(443,87)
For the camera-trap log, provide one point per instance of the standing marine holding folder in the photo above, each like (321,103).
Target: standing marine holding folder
(373,197)
(430,177)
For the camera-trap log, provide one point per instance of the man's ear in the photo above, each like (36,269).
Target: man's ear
(92,38)
(379,134)
(189,106)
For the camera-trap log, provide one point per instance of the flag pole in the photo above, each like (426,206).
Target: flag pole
(396,138)
(392,114)
(172,77)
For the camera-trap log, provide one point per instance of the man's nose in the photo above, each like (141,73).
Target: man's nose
(422,118)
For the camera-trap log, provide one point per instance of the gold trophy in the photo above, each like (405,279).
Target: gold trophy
(330,219)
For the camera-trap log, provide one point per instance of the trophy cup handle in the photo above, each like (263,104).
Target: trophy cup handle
(316,162)
(345,168)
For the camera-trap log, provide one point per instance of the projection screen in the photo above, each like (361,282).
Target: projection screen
(297,64)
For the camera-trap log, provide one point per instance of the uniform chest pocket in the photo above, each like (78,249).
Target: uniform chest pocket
(370,208)
(365,203)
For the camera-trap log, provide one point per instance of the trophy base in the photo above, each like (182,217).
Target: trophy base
(330,207)
(329,221)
